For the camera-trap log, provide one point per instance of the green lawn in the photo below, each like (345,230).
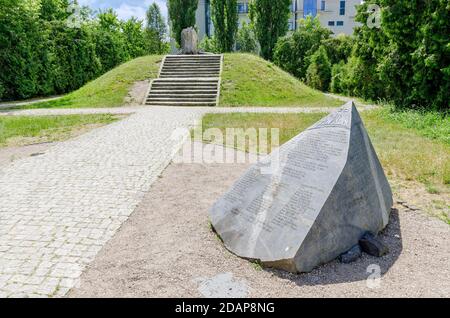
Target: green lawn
(110,89)
(248,80)
(405,154)
(23,130)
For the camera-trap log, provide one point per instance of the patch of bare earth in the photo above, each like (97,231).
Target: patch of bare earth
(167,249)
(414,196)
(137,93)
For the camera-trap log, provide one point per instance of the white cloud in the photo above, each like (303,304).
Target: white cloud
(125,12)
(127,8)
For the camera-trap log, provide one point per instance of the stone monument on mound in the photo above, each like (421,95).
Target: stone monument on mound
(189,41)
(328,189)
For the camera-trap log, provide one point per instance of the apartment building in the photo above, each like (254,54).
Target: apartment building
(336,15)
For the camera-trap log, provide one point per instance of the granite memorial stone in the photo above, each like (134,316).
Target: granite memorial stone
(327,189)
(189,41)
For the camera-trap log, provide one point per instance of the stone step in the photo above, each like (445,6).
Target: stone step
(190,73)
(157,103)
(190,68)
(195,58)
(191,63)
(209,100)
(186,81)
(185,92)
(185,87)
(213,85)
(216,72)
(179,94)
(183,76)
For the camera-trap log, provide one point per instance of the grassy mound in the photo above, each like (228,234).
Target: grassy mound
(110,89)
(248,80)
(406,153)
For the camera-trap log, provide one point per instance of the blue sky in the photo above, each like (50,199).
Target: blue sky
(126,8)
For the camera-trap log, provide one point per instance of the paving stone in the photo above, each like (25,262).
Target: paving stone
(58,209)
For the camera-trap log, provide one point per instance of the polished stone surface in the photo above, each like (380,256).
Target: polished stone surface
(311,200)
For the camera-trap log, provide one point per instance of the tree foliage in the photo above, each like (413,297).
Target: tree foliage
(182,16)
(271,22)
(41,54)
(156,29)
(246,39)
(293,51)
(405,60)
(318,74)
(225,18)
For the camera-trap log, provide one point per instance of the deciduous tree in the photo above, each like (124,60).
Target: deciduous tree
(182,16)
(225,20)
(271,22)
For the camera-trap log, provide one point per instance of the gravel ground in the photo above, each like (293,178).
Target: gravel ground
(166,249)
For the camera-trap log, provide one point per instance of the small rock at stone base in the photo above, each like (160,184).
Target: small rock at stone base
(351,255)
(373,246)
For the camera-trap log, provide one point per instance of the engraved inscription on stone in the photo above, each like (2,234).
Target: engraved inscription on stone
(315,206)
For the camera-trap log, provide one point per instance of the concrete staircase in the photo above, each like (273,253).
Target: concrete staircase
(187,80)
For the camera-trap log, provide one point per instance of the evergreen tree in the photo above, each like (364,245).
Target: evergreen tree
(271,22)
(225,20)
(156,30)
(182,16)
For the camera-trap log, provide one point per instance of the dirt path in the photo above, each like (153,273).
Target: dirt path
(14,104)
(166,249)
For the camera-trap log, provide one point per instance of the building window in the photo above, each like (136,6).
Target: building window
(340,23)
(242,8)
(322,5)
(309,8)
(330,23)
(342,7)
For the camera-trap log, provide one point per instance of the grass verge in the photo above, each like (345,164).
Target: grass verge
(407,154)
(248,80)
(110,89)
(25,130)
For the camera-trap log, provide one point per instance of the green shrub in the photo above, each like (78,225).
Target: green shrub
(41,55)
(246,39)
(209,44)
(337,74)
(339,48)
(408,55)
(318,74)
(292,53)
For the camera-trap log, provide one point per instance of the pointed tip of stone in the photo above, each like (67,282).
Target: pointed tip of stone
(350,104)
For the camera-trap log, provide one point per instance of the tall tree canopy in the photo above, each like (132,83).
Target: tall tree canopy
(43,53)
(225,19)
(271,22)
(182,16)
(156,27)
